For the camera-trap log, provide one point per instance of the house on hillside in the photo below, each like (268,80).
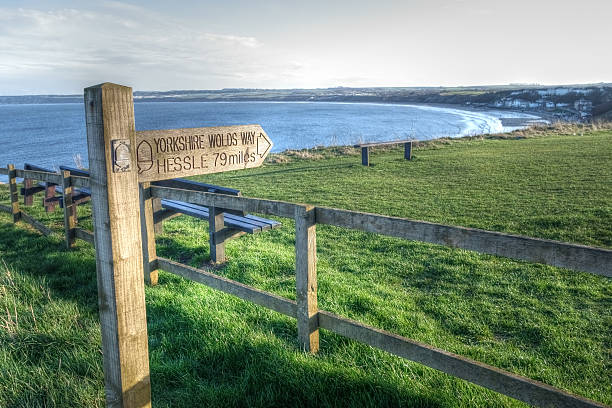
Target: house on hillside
(582,105)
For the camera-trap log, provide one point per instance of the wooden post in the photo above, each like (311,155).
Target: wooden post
(365,156)
(408,150)
(157,207)
(306,278)
(69,210)
(111,147)
(149,252)
(12,174)
(216,227)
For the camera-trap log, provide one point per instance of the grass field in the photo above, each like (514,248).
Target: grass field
(211,349)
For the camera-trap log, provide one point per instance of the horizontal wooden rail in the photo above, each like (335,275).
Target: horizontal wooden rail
(85,235)
(6,208)
(256,205)
(49,177)
(260,297)
(78,181)
(589,259)
(512,385)
(36,224)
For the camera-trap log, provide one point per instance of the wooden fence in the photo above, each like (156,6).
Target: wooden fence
(304,309)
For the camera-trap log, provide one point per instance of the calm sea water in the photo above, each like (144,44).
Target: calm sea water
(51,135)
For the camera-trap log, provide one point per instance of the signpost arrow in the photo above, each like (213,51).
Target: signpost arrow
(168,154)
(263,145)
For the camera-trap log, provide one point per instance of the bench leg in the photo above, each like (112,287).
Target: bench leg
(69,210)
(149,252)
(217,235)
(158,223)
(49,193)
(365,156)
(408,150)
(28,198)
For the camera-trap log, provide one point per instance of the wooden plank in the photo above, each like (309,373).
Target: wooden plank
(69,209)
(36,224)
(46,176)
(306,278)
(216,238)
(260,297)
(245,223)
(197,186)
(109,117)
(579,257)
(84,235)
(273,223)
(14,194)
(272,207)
(80,182)
(149,251)
(493,378)
(172,153)
(30,191)
(4,170)
(6,208)
(389,143)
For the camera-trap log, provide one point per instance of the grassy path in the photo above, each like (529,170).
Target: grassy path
(210,349)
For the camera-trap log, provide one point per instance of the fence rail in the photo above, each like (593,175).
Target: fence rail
(593,260)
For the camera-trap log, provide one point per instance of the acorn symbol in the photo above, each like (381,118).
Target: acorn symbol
(144,157)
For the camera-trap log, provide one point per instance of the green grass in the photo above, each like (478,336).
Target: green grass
(211,349)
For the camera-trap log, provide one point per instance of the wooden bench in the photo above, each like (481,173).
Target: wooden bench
(365,149)
(29,189)
(234,224)
(223,224)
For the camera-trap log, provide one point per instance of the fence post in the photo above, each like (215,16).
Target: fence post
(109,112)
(12,174)
(69,209)
(408,150)
(306,278)
(149,252)
(365,156)
(216,226)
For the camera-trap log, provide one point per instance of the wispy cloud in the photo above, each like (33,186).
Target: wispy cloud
(121,42)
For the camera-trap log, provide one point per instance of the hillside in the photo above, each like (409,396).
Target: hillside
(211,349)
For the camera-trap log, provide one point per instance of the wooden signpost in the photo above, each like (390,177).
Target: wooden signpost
(122,163)
(168,154)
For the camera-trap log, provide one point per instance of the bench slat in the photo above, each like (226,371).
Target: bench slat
(257,222)
(202,212)
(392,142)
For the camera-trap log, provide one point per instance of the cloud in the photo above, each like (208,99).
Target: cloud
(122,42)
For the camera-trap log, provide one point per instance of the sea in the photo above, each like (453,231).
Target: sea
(51,135)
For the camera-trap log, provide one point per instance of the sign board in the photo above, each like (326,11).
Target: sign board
(168,154)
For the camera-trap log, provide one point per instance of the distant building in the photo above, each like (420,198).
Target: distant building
(582,105)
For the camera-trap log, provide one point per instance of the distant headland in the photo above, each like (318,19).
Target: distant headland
(582,102)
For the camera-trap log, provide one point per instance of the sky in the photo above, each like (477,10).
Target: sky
(63,46)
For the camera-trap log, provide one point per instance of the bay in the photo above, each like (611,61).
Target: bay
(50,135)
